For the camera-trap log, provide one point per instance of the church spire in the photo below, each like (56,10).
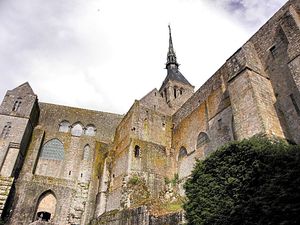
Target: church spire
(171,57)
(173,73)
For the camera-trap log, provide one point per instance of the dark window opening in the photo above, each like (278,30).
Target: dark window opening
(16,105)
(274,51)
(70,172)
(81,175)
(6,130)
(219,124)
(137,151)
(182,153)
(165,90)
(180,91)
(295,104)
(175,93)
(113,175)
(43,216)
(155,93)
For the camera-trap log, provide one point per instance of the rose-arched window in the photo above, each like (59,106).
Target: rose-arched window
(77,130)
(90,130)
(182,153)
(53,150)
(64,126)
(202,139)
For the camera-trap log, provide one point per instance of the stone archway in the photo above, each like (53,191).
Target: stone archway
(46,207)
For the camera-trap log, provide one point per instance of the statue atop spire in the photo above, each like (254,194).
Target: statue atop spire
(171,57)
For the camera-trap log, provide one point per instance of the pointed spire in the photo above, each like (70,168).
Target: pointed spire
(172,67)
(171,57)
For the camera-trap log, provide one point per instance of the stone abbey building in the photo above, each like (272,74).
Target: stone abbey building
(64,165)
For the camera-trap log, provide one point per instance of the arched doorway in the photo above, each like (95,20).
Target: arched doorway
(46,207)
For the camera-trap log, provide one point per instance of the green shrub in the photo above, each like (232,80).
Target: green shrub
(134,180)
(173,181)
(255,181)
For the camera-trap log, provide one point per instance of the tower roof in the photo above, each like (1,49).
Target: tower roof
(172,65)
(175,74)
(24,88)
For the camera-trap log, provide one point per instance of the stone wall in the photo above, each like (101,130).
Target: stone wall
(151,125)
(277,46)
(138,216)
(74,176)
(105,162)
(105,123)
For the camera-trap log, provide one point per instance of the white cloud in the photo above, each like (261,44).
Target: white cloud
(250,13)
(103,54)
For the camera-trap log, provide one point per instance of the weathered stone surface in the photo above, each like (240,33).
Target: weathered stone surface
(113,169)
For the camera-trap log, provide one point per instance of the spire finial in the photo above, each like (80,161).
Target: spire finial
(171,57)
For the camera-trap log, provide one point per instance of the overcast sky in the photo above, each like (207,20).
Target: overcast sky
(104,54)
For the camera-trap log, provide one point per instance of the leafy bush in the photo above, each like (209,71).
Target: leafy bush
(255,181)
(134,180)
(173,181)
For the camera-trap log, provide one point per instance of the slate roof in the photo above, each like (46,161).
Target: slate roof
(172,65)
(175,74)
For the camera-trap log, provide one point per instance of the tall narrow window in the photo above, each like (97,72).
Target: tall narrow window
(295,104)
(219,124)
(6,130)
(86,153)
(181,91)
(137,151)
(17,104)
(175,92)
(274,51)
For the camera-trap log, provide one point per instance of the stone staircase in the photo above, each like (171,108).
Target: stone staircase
(5,186)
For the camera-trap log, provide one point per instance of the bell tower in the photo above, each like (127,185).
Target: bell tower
(19,114)
(175,89)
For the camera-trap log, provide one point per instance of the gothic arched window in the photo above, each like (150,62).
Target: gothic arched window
(46,206)
(202,139)
(90,130)
(182,153)
(86,153)
(64,126)
(77,130)
(53,150)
